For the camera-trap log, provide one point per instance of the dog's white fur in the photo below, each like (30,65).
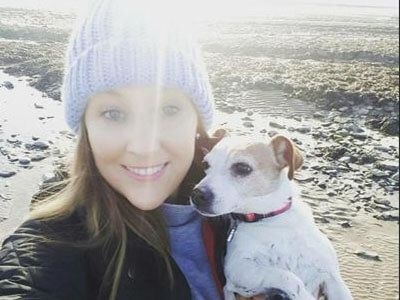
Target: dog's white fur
(285,252)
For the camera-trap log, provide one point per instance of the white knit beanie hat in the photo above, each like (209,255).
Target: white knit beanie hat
(114,45)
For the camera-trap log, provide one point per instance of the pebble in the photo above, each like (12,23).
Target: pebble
(248,124)
(359,135)
(6,174)
(318,115)
(362,111)
(304,129)
(8,85)
(24,160)
(297,118)
(379,174)
(345,224)
(388,216)
(382,148)
(12,140)
(368,255)
(388,165)
(49,177)
(345,159)
(38,106)
(247,119)
(40,145)
(382,201)
(38,157)
(331,193)
(276,125)
(326,124)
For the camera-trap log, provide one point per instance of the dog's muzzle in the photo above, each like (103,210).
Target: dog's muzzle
(202,197)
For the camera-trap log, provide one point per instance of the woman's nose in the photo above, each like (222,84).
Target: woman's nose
(143,138)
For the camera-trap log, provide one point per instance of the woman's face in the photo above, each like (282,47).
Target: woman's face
(142,141)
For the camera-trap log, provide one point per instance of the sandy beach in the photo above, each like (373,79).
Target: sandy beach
(327,78)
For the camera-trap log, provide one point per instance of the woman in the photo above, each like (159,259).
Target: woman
(138,97)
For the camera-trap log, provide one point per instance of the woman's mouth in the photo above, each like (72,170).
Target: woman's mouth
(146,173)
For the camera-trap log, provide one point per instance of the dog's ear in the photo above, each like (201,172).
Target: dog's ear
(286,154)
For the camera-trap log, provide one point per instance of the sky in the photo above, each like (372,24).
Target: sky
(218,5)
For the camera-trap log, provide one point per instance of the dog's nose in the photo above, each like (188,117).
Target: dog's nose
(275,294)
(202,196)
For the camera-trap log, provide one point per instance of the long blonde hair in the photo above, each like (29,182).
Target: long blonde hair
(108,214)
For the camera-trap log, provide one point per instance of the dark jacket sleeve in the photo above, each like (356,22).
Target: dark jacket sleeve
(32,269)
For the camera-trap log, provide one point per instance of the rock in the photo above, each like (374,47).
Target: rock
(248,124)
(379,174)
(318,115)
(49,178)
(276,125)
(24,161)
(263,131)
(359,135)
(38,106)
(247,119)
(354,128)
(365,158)
(304,129)
(6,174)
(12,140)
(297,118)
(382,201)
(395,176)
(345,159)
(8,85)
(336,152)
(40,145)
(326,124)
(331,193)
(388,165)
(382,148)
(362,111)
(390,125)
(35,138)
(345,224)
(305,179)
(368,255)
(38,157)
(388,216)
(322,185)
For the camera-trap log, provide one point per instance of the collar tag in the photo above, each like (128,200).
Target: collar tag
(232,231)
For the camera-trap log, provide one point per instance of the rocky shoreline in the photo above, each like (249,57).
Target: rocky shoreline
(359,76)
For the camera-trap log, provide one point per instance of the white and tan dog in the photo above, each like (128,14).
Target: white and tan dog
(274,247)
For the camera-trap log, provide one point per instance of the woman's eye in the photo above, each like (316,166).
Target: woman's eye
(114,115)
(170,110)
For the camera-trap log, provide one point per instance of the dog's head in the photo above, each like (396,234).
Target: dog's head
(240,171)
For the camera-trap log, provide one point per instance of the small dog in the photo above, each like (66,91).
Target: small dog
(274,247)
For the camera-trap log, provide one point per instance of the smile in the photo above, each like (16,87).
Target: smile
(146,173)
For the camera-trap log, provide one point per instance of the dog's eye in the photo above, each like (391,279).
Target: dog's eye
(205,165)
(241,169)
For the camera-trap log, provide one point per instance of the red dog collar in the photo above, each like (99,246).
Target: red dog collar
(253,217)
